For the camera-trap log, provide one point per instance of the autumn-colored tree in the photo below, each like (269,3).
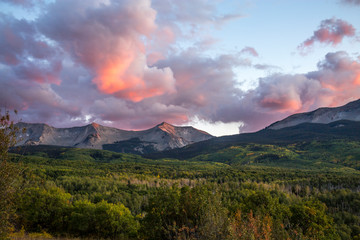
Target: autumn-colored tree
(252,227)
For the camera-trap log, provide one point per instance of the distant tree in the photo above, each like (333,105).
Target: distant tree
(311,220)
(251,227)
(8,172)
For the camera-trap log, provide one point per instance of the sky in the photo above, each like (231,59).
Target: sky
(223,66)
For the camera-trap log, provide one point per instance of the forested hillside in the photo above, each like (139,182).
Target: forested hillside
(308,190)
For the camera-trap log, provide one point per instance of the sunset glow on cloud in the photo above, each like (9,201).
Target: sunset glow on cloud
(133,64)
(331,31)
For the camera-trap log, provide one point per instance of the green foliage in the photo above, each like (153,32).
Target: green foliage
(8,172)
(315,155)
(303,190)
(41,209)
(51,210)
(311,219)
(8,132)
(303,133)
(184,213)
(102,220)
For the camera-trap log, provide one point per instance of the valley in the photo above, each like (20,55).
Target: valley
(179,120)
(298,182)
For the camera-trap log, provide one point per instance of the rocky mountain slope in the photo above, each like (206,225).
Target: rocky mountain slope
(161,137)
(324,124)
(343,130)
(350,111)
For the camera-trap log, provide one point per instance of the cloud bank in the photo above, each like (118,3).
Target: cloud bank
(117,63)
(336,82)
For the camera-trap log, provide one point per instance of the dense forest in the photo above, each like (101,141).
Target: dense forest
(303,190)
(253,191)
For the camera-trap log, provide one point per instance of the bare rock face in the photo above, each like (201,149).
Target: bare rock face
(161,137)
(166,136)
(350,111)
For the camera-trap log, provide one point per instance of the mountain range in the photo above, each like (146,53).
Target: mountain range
(323,124)
(166,140)
(350,111)
(159,138)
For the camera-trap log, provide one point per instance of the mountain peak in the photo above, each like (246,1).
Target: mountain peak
(161,137)
(95,125)
(325,115)
(164,124)
(166,127)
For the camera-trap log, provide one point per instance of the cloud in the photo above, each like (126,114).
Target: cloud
(130,115)
(23,3)
(353,2)
(249,50)
(265,66)
(28,56)
(336,82)
(199,12)
(202,81)
(331,31)
(99,61)
(36,102)
(106,38)
(338,72)
(286,93)
(206,43)
(119,63)
(179,21)
(203,85)
(192,21)
(18,42)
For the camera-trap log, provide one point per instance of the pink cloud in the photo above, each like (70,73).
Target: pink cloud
(127,115)
(331,31)
(249,50)
(116,63)
(336,82)
(106,38)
